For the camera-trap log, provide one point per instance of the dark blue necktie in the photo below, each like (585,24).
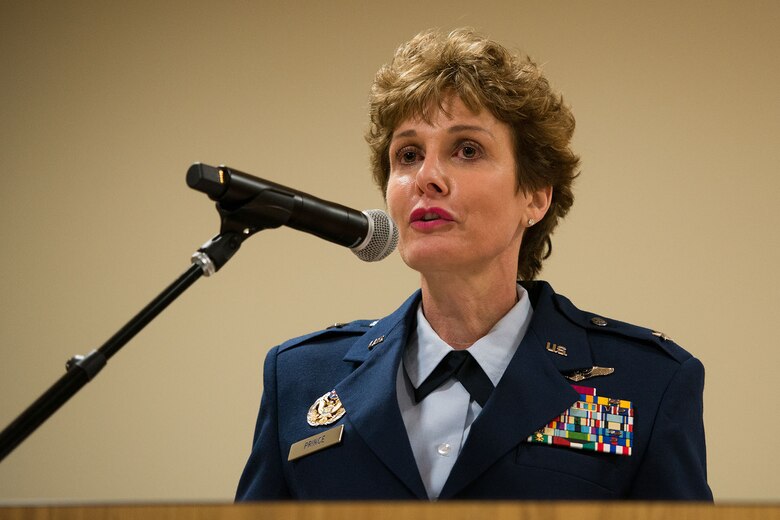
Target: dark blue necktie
(461,365)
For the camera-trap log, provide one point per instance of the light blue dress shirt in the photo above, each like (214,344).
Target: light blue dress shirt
(439,425)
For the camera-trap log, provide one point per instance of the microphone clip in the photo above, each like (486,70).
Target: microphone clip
(240,216)
(265,211)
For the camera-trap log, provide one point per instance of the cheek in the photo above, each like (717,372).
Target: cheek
(398,197)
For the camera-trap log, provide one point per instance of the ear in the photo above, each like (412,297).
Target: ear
(538,202)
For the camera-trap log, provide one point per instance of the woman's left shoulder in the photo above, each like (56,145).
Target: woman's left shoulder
(599,324)
(602,329)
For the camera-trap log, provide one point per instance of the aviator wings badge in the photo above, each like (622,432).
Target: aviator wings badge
(582,375)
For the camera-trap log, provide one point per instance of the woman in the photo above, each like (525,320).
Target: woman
(477,387)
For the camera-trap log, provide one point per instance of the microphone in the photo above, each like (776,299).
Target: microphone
(371,235)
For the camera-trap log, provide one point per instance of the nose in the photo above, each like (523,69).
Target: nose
(431,179)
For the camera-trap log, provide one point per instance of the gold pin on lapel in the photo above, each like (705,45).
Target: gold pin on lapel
(556,349)
(582,375)
(325,410)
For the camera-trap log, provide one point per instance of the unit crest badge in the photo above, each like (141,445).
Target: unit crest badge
(325,410)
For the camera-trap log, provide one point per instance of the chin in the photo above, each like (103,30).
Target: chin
(429,259)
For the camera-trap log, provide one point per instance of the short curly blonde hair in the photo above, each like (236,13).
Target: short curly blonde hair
(431,66)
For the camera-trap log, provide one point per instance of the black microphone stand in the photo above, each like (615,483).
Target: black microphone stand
(238,223)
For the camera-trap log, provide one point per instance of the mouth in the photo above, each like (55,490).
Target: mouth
(429,215)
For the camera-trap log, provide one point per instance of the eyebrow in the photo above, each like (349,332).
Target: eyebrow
(451,130)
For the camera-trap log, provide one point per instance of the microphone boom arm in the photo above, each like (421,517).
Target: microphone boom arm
(239,221)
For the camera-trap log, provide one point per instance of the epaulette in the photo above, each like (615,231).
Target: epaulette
(352,328)
(596,322)
(361,324)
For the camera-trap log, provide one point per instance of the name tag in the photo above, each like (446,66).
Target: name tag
(316,443)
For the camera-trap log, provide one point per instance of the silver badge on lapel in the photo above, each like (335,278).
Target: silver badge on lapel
(325,410)
(375,342)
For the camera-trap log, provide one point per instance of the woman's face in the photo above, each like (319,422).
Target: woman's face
(452,192)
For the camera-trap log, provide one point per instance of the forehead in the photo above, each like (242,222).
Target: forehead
(451,113)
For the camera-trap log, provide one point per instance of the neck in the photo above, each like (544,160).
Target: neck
(463,309)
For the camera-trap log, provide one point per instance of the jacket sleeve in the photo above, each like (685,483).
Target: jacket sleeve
(675,462)
(263,477)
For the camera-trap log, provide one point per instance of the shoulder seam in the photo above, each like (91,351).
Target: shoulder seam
(593,322)
(355,328)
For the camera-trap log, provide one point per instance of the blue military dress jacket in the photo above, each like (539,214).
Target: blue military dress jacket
(374,459)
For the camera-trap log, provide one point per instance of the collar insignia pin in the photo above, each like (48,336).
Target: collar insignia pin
(375,342)
(557,349)
(325,410)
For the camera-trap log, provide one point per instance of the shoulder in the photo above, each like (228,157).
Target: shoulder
(341,336)
(600,328)
(332,334)
(315,360)
(596,324)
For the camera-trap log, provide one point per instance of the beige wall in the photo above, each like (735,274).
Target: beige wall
(103,107)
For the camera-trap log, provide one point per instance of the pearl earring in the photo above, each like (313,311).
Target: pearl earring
(531,222)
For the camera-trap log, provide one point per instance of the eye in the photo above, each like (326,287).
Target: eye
(407,155)
(469,150)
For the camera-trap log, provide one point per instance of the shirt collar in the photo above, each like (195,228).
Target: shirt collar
(493,351)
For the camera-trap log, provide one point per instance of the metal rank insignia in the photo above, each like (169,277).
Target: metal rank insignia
(595,423)
(325,410)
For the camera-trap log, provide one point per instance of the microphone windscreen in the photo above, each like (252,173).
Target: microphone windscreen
(381,239)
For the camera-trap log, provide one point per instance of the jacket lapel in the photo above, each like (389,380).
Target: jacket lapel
(369,394)
(530,394)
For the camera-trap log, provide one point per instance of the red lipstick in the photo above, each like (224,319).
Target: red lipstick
(429,218)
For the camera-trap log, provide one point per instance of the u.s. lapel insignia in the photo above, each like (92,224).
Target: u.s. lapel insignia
(557,349)
(375,342)
(594,422)
(587,373)
(325,410)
